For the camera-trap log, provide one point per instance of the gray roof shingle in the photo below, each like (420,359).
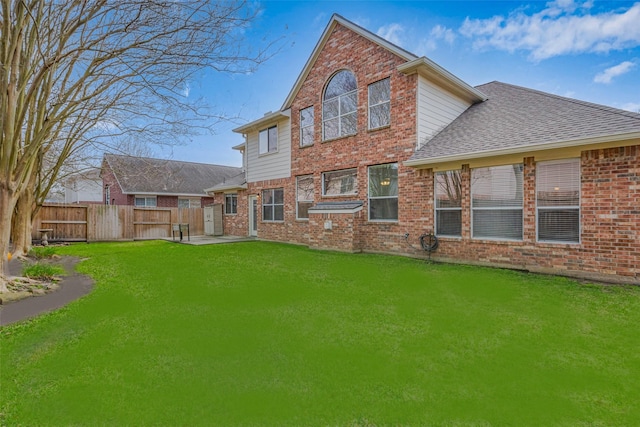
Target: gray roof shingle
(158,176)
(517,117)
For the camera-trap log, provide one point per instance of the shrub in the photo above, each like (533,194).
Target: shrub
(42,252)
(41,271)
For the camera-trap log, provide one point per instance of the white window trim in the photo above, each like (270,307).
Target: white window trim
(378,104)
(355,184)
(266,153)
(155,198)
(552,208)
(369,198)
(501,208)
(307,127)
(231,195)
(340,114)
(298,201)
(436,208)
(273,190)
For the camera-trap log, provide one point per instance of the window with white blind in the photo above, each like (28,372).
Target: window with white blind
(448,203)
(496,202)
(558,201)
(145,201)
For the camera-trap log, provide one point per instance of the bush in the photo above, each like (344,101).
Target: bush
(41,271)
(42,252)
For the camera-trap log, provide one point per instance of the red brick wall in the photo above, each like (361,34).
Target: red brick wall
(108,178)
(235,224)
(610,225)
(395,143)
(610,194)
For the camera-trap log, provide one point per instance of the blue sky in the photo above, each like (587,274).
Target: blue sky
(585,50)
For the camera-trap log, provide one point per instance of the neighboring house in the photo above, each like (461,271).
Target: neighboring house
(83,187)
(375,147)
(145,182)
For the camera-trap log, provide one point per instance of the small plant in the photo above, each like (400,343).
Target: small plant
(41,271)
(42,252)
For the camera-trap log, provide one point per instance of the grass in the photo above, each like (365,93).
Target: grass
(42,271)
(42,252)
(261,333)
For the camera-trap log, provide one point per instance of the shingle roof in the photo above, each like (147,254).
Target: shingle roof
(157,176)
(230,183)
(515,117)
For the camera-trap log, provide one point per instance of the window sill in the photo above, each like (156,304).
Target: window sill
(339,137)
(303,220)
(270,153)
(305,146)
(383,221)
(339,196)
(273,222)
(230,214)
(380,128)
(556,243)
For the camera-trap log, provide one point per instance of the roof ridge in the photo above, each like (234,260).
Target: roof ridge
(170,160)
(594,105)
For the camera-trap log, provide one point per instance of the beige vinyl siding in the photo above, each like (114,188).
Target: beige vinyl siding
(436,109)
(272,165)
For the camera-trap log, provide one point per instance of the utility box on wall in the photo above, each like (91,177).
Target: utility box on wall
(213,220)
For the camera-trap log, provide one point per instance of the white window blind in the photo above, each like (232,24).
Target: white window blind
(496,202)
(448,203)
(558,201)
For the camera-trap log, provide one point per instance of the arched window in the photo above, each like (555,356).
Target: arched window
(339,105)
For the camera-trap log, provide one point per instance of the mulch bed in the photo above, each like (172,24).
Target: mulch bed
(30,298)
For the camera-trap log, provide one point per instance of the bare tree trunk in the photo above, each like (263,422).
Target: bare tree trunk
(23,224)
(8,201)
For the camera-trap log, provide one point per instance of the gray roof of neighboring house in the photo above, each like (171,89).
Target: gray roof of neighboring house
(231,183)
(141,175)
(514,117)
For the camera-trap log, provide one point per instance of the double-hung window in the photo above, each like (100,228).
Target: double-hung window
(269,140)
(383,192)
(231,204)
(145,201)
(306,127)
(379,104)
(448,203)
(558,201)
(189,203)
(304,196)
(497,202)
(339,105)
(339,183)
(273,204)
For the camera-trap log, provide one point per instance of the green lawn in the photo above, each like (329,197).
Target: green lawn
(262,333)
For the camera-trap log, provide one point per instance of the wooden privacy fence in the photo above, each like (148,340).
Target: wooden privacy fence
(93,223)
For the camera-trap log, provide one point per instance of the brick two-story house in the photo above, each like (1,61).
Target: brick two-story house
(375,147)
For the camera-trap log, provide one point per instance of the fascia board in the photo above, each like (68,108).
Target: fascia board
(432,71)
(270,118)
(337,19)
(524,149)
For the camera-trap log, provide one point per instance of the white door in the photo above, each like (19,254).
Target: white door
(209,228)
(253,216)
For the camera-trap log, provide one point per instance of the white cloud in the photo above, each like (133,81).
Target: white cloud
(607,75)
(563,27)
(443,33)
(631,106)
(186,90)
(392,32)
